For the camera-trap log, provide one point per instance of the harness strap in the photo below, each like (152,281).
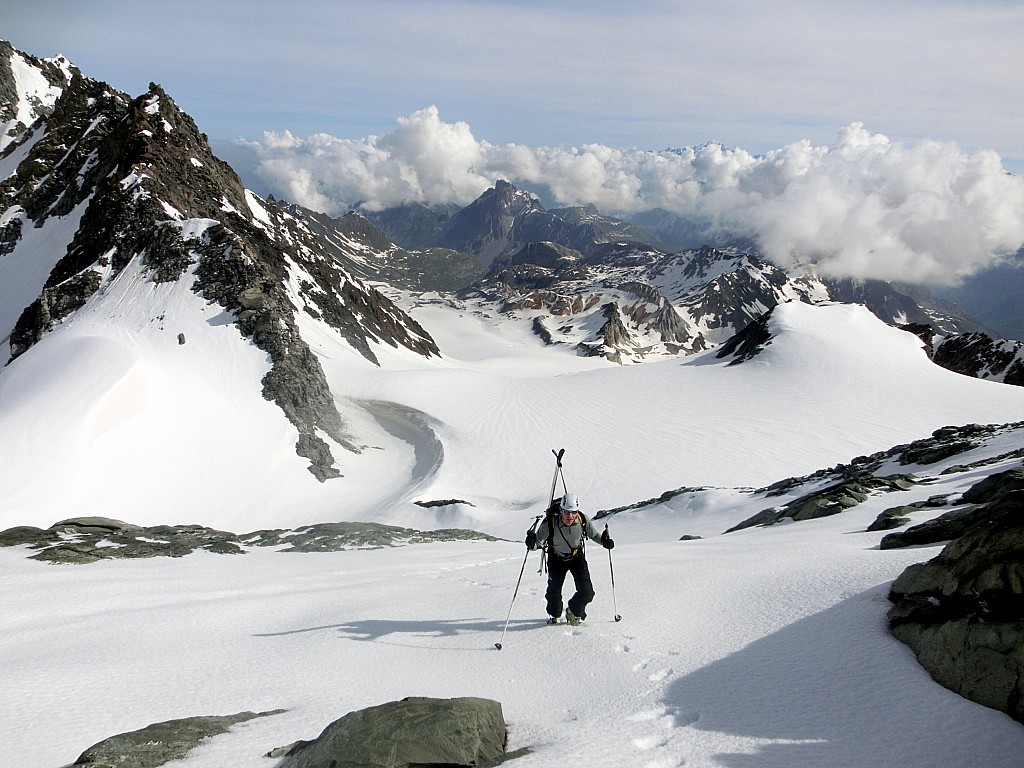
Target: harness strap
(576,551)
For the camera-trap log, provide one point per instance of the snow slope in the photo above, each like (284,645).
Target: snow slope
(764,647)
(180,433)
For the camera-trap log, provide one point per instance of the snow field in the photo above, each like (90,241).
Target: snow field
(763,647)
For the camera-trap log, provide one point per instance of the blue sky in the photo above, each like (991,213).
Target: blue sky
(866,139)
(648,74)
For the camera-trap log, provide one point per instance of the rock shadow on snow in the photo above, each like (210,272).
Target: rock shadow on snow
(836,689)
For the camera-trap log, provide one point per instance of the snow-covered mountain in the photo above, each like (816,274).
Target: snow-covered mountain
(184,353)
(115,208)
(128,242)
(29,87)
(609,290)
(366,252)
(504,219)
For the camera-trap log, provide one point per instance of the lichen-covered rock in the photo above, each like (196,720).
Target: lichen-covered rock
(416,731)
(89,539)
(160,743)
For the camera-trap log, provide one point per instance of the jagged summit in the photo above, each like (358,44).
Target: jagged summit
(504,219)
(102,185)
(488,226)
(29,87)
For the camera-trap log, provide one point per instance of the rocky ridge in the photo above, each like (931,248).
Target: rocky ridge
(90,539)
(137,182)
(355,242)
(566,266)
(504,219)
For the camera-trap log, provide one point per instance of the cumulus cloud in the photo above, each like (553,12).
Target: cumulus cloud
(864,207)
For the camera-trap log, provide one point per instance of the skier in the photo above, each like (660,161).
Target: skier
(564,532)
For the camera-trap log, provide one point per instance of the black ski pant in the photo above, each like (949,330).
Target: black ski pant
(557,569)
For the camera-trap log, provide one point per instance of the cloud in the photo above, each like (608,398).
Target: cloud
(864,207)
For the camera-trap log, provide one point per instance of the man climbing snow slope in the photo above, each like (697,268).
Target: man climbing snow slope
(563,532)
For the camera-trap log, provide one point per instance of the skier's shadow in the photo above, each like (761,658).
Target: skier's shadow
(402,631)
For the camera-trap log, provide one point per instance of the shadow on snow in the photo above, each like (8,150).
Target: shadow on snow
(836,689)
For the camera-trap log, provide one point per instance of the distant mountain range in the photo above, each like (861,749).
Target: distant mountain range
(94,180)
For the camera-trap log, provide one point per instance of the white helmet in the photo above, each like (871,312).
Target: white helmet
(570,503)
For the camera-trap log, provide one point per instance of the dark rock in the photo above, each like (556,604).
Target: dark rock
(994,487)
(829,501)
(331,537)
(894,517)
(22,534)
(93,525)
(931,451)
(748,342)
(963,611)
(441,503)
(945,527)
(413,732)
(955,523)
(160,743)
(978,354)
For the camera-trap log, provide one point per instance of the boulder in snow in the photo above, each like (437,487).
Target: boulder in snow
(963,611)
(412,732)
(160,743)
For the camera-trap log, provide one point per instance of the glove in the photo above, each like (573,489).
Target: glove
(606,541)
(531,539)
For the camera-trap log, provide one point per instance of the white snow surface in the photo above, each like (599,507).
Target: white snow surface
(766,647)
(32,91)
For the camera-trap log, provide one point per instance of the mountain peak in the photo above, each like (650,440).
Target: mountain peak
(117,186)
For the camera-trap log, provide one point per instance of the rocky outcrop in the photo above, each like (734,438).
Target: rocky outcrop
(974,354)
(946,527)
(137,174)
(979,355)
(963,611)
(897,517)
(88,539)
(829,501)
(410,733)
(748,342)
(160,743)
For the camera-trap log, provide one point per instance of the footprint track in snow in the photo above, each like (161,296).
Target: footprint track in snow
(660,675)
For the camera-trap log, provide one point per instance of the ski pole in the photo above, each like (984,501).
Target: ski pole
(611,568)
(498,644)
